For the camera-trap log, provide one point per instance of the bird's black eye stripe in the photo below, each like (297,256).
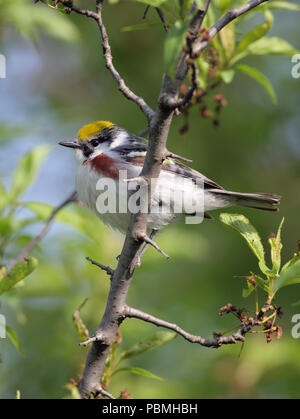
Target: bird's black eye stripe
(105,135)
(95,142)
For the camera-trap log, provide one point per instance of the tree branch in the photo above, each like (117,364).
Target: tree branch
(137,231)
(159,124)
(246,326)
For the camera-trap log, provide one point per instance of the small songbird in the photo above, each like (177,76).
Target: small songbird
(104,150)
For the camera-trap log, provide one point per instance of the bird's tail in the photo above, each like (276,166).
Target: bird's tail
(263,201)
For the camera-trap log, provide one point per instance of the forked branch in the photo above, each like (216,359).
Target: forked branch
(126,91)
(247,324)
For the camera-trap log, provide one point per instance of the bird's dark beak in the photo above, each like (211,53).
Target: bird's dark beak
(71,144)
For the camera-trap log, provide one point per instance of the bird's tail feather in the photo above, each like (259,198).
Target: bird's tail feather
(263,201)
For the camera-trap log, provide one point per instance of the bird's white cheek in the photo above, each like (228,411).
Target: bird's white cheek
(79,156)
(86,180)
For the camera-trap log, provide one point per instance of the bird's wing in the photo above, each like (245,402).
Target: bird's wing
(135,152)
(181,169)
(135,145)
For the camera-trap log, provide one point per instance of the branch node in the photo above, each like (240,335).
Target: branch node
(100,390)
(98,337)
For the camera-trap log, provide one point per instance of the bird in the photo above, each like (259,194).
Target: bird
(104,151)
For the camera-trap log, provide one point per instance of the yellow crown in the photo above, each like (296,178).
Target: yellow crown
(93,128)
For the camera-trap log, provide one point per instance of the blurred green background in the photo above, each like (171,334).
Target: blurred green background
(56,82)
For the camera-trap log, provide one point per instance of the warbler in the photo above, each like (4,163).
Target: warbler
(103,150)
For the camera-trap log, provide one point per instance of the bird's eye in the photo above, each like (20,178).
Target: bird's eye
(95,143)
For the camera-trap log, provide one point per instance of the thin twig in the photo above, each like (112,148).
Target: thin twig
(216,342)
(146,245)
(25,252)
(105,268)
(171,155)
(97,16)
(225,20)
(184,100)
(143,132)
(100,390)
(162,18)
(152,243)
(145,12)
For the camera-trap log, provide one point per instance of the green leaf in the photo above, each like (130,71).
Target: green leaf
(185,7)
(56,26)
(260,78)
(227,75)
(23,240)
(74,392)
(29,18)
(20,271)
(247,291)
(256,33)
(27,170)
(8,226)
(271,45)
(203,68)
(138,371)
(11,225)
(42,210)
(241,224)
(276,246)
(79,325)
(3,197)
(289,276)
(110,362)
(139,27)
(265,46)
(11,333)
(3,271)
(291,262)
(154,3)
(209,20)
(173,45)
(224,5)
(151,342)
(285,5)
(262,283)
(227,36)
